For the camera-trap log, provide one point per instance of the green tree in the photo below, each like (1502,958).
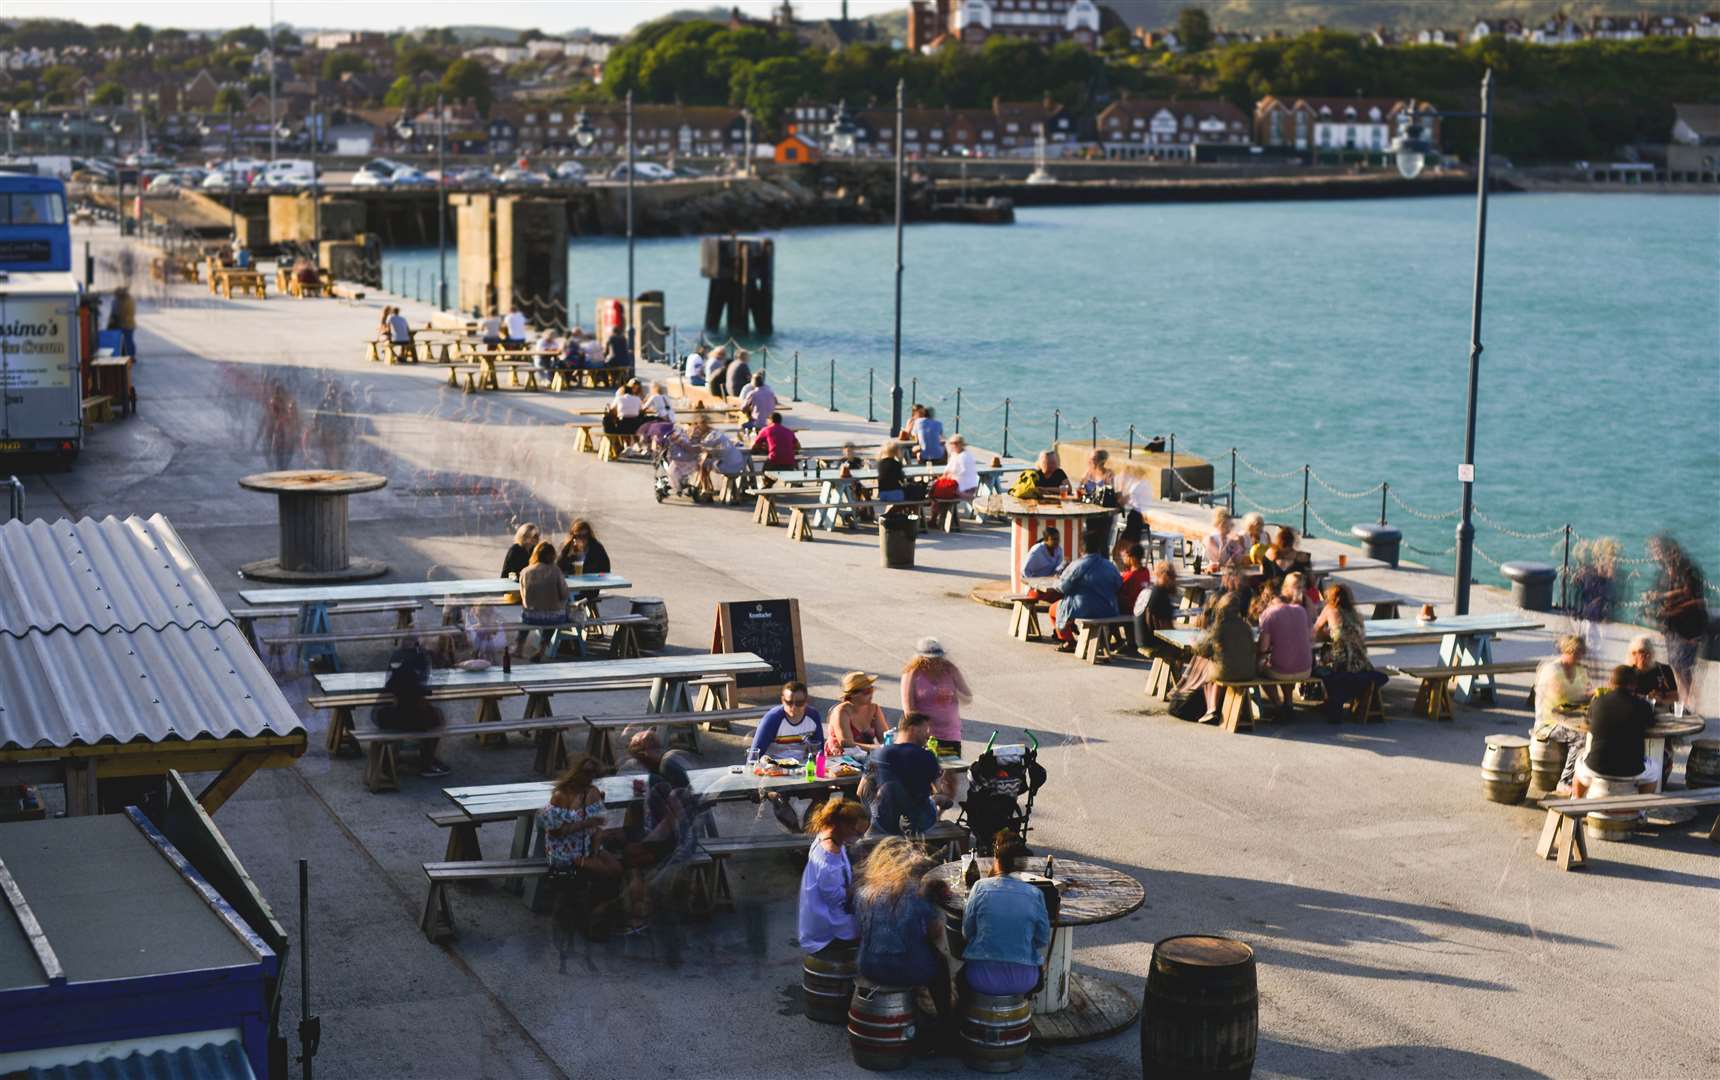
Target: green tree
(245,37)
(770,87)
(139,37)
(229,99)
(338,63)
(1194,29)
(418,60)
(402,94)
(468,79)
(108,93)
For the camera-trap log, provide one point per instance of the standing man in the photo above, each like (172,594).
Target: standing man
(906,773)
(123,317)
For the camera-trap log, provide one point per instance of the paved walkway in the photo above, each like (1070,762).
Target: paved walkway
(1402,924)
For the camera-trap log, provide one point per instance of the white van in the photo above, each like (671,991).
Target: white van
(286,174)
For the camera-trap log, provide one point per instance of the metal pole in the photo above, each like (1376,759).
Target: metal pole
(272,120)
(914,390)
(630,216)
(1565,577)
(1465,526)
(833,384)
(310,1027)
(1094,422)
(441,205)
(896,353)
(958,410)
(871,378)
(796,392)
(1132,454)
(232,214)
(1385,489)
(1173,466)
(1233,479)
(1305,471)
(1056,427)
(1005,427)
(316,198)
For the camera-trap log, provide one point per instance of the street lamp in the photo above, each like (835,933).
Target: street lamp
(1412,150)
(441,206)
(630,338)
(896,368)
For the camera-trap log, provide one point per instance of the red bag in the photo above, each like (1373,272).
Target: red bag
(944,487)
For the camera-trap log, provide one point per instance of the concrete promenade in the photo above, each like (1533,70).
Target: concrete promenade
(1402,924)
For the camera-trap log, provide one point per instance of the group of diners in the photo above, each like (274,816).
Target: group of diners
(903,786)
(553,350)
(889,918)
(1618,714)
(542,571)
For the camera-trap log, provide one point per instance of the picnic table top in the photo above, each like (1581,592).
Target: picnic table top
(1665,726)
(719,784)
(1392,629)
(1318,567)
(569,674)
(421,590)
(820,476)
(1363,593)
(314,482)
(1087,892)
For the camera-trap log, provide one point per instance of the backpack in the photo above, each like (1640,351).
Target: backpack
(1026,485)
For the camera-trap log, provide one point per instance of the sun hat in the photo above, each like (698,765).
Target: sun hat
(929,648)
(856,681)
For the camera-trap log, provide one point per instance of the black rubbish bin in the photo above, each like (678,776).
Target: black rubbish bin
(1379,541)
(896,534)
(1531,584)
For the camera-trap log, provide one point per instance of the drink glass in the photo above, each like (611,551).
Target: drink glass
(639,787)
(1343,560)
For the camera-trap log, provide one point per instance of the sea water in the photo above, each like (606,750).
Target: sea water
(1331,333)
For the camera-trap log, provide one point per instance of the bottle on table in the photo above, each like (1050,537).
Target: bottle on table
(932,744)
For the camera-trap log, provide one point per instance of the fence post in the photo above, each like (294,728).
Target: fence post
(1233,480)
(1094,421)
(1305,471)
(1385,489)
(1132,455)
(871,380)
(1565,576)
(958,410)
(914,391)
(764,359)
(1173,466)
(796,393)
(1056,427)
(833,384)
(1005,427)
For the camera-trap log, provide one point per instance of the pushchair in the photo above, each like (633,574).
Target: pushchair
(663,485)
(997,780)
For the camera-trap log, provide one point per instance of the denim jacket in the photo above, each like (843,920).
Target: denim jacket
(1006,921)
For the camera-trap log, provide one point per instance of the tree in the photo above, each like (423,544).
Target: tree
(468,79)
(338,63)
(229,99)
(418,60)
(1194,29)
(769,88)
(108,93)
(402,94)
(245,37)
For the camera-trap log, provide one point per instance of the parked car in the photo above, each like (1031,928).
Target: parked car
(570,172)
(517,177)
(687,172)
(408,177)
(148,161)
(221,180)
(642,170)
(285,174)
(367,177)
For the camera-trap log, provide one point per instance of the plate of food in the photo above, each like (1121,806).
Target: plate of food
(477,663)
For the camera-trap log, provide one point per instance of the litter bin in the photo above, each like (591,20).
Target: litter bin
(1531,584)
(896,534)
(1379,541)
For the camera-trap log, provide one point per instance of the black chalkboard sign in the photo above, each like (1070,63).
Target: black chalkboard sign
(769,628)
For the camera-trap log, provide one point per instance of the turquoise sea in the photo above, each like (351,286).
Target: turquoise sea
(1329,333)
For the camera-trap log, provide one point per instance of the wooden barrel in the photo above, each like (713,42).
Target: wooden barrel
(1616,824)
(1546,763)
(828,981)
(995,1031)
(654,634)
(1201,1016)
(1702,768)
(1505,769)
(881,1026)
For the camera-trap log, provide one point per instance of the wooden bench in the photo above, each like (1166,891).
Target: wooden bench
(1094,638)
(437,922)
(382,767)
(395,352)
(281,642)
(1562,834)
(766,510)
(1024,612)
(1238,707)
(945,839)
(1433,697)
(247,617)
(462,834)
(245,281)
(339,740)
(601,746)
(98,409)
(715,691)
(801,518)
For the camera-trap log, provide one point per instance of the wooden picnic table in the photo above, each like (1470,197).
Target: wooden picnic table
(418,590)
(224,279)
(834,488)
(669,677)
(1653,740)
(1073,1007)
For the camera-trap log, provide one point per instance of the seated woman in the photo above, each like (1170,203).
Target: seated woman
(1254,538)
(409,708)
(890,484)
(1044,559)
(519,554)
(1156,609)
(544,594)
(1222,549)
(828,926)
(549,348)
(1284,556)
(660,418)
(587,877)
(1347,671)
(1047,476)
(901,930)
(684,449)
(1561,684)
(1005,925)
(625,413)
(723,456)
(1089,589)
(1286,644)
(583,553)
(1227,649)
(1098,476)
(857,724)
(1136,579)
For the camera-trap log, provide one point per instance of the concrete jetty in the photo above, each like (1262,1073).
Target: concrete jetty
(1403,924)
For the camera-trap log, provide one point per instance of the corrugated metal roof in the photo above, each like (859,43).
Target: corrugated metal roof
(61,688)
(101,575)
(211,1061)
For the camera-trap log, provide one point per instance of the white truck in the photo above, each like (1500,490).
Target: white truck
(41,396)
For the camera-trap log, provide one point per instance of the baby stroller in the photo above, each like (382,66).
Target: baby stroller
(997,780)
(663,484)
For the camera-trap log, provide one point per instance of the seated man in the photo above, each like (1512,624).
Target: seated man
(905,773)
(793,729)
(490,331)
(723,455)
(308,276)
(1618,722)
(549,348)
(400,337)
(662,832)
(514,327)
(757,401)
(778,443)
(411,710)
(1654,680)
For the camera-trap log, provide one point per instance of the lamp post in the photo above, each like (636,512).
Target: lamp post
(1412,150)
(316,199)
(441,206)
(272,119)
(896,353)
(630,339)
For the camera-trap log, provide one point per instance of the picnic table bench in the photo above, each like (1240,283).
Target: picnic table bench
(1097,640)
(340,741)
(601,745)
(1562,834)
(281,642)
(945,840)
(1433,696)
(97,409)
(248,616)
(1238,707)
(225,279)
(801,519)
(382,770)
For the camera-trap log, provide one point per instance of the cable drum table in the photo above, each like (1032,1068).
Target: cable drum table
(313,519)
(1072,1007)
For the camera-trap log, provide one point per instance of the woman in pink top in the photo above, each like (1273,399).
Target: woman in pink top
(931,684)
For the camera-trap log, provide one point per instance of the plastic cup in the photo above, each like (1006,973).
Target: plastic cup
(1343,561)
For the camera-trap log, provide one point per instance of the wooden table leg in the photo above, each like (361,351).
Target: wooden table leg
(1549,834)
